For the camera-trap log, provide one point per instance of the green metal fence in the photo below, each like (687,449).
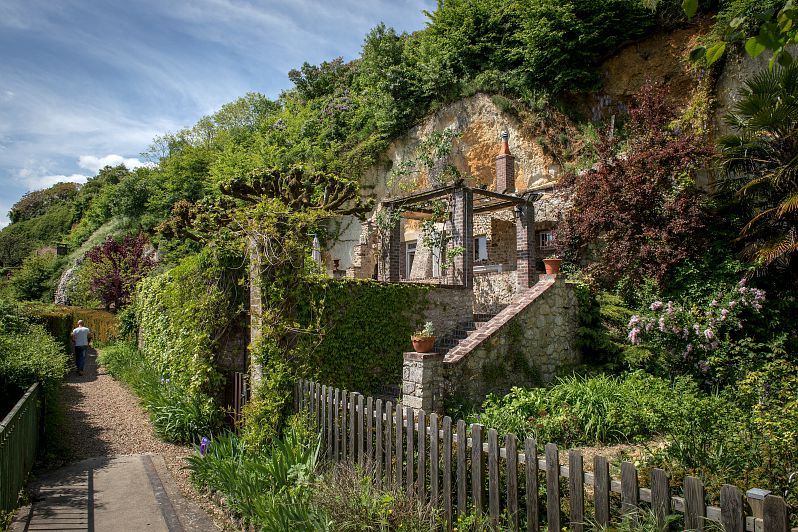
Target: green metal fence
(19,440)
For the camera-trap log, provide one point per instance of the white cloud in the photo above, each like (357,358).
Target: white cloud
(95,164)
(4,208)
(39,182)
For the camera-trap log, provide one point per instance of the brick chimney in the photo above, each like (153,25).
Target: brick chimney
(505,167)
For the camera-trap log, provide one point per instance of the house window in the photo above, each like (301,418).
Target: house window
(410,254)
(546,239)
(480,248)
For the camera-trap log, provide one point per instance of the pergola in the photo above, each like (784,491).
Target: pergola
(463,203)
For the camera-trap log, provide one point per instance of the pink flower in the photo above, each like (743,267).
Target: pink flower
(635,319)
(656,305)
(732,304)
(662,324)
(723,314)
(709,334)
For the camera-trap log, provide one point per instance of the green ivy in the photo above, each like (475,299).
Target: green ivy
(183,312)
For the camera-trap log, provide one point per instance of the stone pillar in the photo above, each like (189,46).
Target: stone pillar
(505,168)
(525,246)
(422,381)
(461,271)
(389,258)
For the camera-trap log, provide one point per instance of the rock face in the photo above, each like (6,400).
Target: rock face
(64,285)
(479,121)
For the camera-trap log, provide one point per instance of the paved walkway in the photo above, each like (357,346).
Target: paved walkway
(123,480)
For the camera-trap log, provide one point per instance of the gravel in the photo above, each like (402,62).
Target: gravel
(102,417)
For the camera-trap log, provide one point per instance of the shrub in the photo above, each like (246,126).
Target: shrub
(115,267)
(586,410)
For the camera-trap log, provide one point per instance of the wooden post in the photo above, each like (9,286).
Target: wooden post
(531,477)
(462,509)
(330,433)
(576,488)
(476,466)
(389,419)
(601,490)
(731,509)
(434,461)
(447,471)
(337,422)
(695,509)
(421,473)
(510,444)
(399,448)
(776,518)
(352,428)
(370,431)
(660,496)
(361,452)
(378,458)
(323,425)
(553,487)
(410,427)
(629,488)
(493,477)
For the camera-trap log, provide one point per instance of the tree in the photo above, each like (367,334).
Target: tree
(637,212)
(760,163)
(116,266)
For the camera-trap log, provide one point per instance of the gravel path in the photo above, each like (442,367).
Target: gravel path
(102,417)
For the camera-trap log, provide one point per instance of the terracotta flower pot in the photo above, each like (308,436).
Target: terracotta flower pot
(552,266)
(422,344)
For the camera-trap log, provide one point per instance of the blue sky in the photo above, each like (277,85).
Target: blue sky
(85,83)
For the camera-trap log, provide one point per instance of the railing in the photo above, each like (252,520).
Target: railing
(423,454)
(19,441)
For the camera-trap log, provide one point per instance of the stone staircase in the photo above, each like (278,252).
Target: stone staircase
(461,333)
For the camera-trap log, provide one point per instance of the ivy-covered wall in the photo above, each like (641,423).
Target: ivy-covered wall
(363,326)
(185,312)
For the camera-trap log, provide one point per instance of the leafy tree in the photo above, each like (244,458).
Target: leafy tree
(760,163)
(637,213)
(115,268)
(33,204)
(37,278)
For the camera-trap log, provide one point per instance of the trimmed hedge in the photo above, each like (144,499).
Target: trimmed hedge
(59,322)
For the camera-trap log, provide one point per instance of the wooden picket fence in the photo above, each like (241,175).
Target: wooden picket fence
(423,455)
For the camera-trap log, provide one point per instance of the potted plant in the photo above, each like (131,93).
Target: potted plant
(552,264)
(424,340)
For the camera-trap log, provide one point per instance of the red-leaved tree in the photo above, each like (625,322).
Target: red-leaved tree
(638,212)
(115,266)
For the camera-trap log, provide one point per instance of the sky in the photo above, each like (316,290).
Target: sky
(86,83)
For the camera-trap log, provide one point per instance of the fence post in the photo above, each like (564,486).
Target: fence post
(477,466)
(629,488)
(775,514)
(434,461)
(576,488)
(421,474)
(553,487)
(388,442)
(361,458)
(461,468)
(447,471)
(731,509)
(410,444)
(369,431)
(378,458)
(398,448)
(493,477)
(531,478)
(337,421)
(695,510)
(660,495)
(352,428)
(510,443)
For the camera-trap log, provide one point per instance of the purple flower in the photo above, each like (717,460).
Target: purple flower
(689,348)
(732,304)
(204,443)
(723,314)
(709,334)
(669,308)
(703,366)
(633,336)
(662,324)
(635,319)
(713,303)
(656,305)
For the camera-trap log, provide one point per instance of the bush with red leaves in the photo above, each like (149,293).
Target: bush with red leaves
(115,266)
(637,213)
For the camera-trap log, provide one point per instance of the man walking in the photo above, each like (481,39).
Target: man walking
(81,336)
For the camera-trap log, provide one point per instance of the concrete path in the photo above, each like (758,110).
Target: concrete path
(119,494)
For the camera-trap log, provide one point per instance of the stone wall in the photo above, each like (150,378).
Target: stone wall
(528,343)
(493,291)
(447,306)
